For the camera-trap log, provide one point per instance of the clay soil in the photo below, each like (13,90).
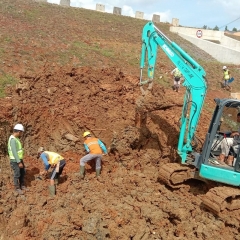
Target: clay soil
(77,71)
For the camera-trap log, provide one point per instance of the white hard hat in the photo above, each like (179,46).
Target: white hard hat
(224,67)
(41,149)
(19,127)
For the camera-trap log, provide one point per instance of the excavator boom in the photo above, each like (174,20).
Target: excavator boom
(194,76)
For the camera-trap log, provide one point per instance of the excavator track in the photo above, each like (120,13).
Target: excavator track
(173,174)
(220,198)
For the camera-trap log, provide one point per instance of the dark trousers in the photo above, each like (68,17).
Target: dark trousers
(54,174)
(18,174)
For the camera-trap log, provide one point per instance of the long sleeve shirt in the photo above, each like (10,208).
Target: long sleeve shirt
(44,158)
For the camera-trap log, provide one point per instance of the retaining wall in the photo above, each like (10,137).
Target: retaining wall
(228,51)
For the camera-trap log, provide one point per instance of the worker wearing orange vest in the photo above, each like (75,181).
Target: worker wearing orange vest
(95,149)
(55,161)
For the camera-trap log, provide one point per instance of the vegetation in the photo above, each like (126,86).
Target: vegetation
(5,81)
(84,38)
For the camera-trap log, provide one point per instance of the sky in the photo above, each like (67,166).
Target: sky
(191,13)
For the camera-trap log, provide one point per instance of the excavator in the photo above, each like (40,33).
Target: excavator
(198,164)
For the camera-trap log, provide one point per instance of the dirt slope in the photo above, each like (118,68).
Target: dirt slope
(57,101)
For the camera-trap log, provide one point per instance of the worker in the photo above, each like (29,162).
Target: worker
(16,152)
(227,144)
(177,79)
(95,150)
(226,78)
(55,161)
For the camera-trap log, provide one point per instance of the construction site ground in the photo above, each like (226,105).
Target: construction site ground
(67,70)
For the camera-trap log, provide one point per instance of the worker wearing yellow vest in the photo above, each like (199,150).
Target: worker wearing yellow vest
(15,152)
(226,77)
(95,149)
(55,161)
(177,79)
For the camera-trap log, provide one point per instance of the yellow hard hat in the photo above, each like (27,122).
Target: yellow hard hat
(86,133)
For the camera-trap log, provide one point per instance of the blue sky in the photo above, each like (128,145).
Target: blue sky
(191,13)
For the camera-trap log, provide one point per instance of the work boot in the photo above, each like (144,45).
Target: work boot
(19,191)
(82,171)
(24,188)
(98,171)
(99,178)
(230,161)
(52,190)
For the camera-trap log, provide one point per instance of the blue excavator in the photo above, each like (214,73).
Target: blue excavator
(200,164)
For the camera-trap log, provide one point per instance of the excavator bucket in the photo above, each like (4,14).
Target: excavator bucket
(143,82)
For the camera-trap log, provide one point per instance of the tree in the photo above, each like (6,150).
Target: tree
(234,29)
(226,29)
(216,28)
(204,26)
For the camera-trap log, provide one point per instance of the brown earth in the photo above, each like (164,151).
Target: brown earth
(56,102)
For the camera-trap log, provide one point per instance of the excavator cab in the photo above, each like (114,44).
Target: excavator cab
(223,123)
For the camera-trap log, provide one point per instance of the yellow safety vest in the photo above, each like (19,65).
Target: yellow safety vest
(177,73)
(53,158)
(20,150)
(226,75)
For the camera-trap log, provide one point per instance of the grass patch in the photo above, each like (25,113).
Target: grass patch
(81,50)
(2,51)
(6,80)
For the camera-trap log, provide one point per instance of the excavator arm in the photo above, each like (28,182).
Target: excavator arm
(194,76)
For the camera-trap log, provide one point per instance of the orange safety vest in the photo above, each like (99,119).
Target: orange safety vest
(93,145)
(53,158)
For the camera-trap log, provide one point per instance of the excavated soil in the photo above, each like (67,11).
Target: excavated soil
(56,104)
(141,133)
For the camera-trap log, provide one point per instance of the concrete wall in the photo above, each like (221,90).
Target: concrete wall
(117,11)
(209,35)
(175,22)
(231,43)
(139,15)
(100,7)
(156,18)
(65,3)
(219,52)
(206,34)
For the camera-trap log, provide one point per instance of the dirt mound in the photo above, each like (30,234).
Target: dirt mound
(58,104)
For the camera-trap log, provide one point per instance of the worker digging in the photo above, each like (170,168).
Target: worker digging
(56,162)
(95,150)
